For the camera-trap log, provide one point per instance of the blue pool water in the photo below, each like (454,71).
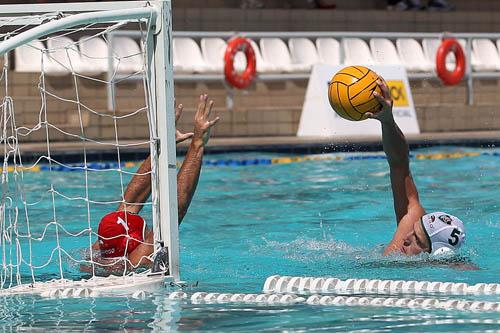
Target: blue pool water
(312,218)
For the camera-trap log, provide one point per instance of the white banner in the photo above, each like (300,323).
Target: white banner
(319,119)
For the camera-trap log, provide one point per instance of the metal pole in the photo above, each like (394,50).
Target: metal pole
(72,21)
(342,51)
(109,74)
(470,79)
(335,34)
(470,75)
(77,7)
(167,168)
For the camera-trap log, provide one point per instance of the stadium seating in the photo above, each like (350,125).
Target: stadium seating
(328,51)
(90,56)
(27,57)
(188,57)
(476,64)
(262,65)
(128,55)
(356,52)
(64,58)
(240,61)
(275,52)
(384,52)
(430,47)
(179,65)
(303,51)
(412,55)
(487,54)
(213,50)
(94,55)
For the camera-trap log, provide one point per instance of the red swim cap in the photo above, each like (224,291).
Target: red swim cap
(113,231)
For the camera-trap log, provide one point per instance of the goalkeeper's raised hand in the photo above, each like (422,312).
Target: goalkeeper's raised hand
(179,136)
(202,124)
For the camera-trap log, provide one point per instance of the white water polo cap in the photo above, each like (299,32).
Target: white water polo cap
(445,232)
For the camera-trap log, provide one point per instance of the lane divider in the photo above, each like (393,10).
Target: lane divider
(325,300)
(300,285)
(441,156)
(296,159)
(246,162)
(35,168)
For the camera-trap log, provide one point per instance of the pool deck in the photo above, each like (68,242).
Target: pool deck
(343,143)
(291,143)
(69,151)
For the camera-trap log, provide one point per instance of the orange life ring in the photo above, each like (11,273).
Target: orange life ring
(454,77)
(244,79)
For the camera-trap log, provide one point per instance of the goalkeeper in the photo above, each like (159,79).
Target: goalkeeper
(123,233)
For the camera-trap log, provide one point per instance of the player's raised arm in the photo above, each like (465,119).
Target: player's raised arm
(406,202)
(187,178)
(437,233)
(139,187)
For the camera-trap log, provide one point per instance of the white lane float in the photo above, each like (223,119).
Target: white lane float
(336,300)
(289,284)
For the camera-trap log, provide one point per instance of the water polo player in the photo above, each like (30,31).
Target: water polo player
(437,233)
(123,233)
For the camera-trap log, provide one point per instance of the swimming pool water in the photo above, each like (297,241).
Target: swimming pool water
(313,218)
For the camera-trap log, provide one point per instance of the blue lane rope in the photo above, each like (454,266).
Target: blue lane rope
(255,161)
(81,167)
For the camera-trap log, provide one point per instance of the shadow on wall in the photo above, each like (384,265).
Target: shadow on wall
(301,4)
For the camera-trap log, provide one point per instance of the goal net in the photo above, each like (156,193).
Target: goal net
(85,89)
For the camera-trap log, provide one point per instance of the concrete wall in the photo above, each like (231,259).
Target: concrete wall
(74,115)
(265,109)
(441,109)
(270,109)
(461,5)
(296,4)
(233,19)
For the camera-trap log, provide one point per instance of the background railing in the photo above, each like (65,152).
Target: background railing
(469,76)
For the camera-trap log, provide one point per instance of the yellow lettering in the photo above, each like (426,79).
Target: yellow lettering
(398,93)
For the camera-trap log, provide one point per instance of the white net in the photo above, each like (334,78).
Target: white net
(66,155)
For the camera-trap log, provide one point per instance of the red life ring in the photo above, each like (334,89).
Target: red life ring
(239,80)
(450,78)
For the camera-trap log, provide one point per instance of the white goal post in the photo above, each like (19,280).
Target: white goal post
(40,27)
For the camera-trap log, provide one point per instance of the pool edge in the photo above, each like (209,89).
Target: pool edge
(70,151)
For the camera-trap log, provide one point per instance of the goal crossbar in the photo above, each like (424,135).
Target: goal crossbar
(75,20)
(73,7)
(46,19)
